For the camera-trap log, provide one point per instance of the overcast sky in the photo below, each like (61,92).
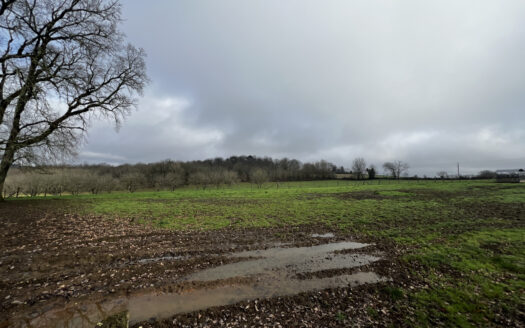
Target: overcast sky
(427,82)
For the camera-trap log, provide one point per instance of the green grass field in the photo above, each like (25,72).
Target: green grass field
(468,238)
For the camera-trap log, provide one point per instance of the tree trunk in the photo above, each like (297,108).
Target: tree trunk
(5,164)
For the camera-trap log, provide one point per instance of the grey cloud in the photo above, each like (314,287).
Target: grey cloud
(418,81)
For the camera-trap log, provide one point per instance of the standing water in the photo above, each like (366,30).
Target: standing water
(274,272)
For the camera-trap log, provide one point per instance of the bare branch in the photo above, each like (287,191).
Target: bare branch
(64,63)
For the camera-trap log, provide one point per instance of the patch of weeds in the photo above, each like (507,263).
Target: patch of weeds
(340,316)
(372,312)
(394,193)
(119,320)
(509,263)
(394,293)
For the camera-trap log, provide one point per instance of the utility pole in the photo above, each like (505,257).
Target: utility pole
(458,170)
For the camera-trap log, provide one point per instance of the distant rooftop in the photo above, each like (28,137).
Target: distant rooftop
(516,175)
(511,171)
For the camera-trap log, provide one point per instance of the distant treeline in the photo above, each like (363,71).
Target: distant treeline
(165,175)
(169,175)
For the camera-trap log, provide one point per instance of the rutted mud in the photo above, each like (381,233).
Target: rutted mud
(274,272)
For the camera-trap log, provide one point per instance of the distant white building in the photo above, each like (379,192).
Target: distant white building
(511,175)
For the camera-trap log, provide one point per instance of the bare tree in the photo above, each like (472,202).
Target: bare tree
(132,181)
(63,63)
(259,177)
(32,185)
(230,177)
(171,181)
(13,185)
(199,178)
(359,167)
(216,177)
(324,169)
(395,168)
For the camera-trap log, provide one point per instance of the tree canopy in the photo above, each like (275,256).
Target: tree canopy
(63,64)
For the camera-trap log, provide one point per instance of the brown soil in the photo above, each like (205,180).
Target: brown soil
(418,194)
(360,195)
(508,211)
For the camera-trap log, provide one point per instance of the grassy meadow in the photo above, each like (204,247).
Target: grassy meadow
(466,237)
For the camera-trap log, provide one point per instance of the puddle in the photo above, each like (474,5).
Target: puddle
(326,235)
(275,270)
(281,263)
(186,257)
(161,258)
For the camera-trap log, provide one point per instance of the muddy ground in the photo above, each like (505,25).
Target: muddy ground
(51,258)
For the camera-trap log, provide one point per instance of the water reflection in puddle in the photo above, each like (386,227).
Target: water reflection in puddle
(275,271)
(326,235)
(161,258)
(280,263)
